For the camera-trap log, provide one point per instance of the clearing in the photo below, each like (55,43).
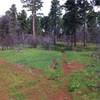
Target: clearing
(26,75)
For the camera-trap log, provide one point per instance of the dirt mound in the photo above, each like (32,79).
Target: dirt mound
(70,67)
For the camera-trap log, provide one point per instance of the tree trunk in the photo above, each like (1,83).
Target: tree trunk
(74,36)
(84,26)
(84,29)
(54,40)
(71,41)
(33,28)
(23,40)
(34,32)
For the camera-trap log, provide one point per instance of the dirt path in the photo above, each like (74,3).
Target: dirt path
(4,95)
(40,89)
(71,67)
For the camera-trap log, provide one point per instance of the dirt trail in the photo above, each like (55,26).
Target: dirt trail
(41,88)
(70,67)
(4,95)
(62,95)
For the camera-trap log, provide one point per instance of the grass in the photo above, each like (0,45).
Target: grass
(20,85)
(10,80)
(85,84)
(81,84)
(42,58)
(34,58)
(31,57)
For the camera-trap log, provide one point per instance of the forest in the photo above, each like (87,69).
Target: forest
(50,57)
(69,23)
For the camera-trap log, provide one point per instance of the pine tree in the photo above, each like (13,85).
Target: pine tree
(33,6)
(92,24)
(55,18)
(22,20)
(13,19)
(84,7)
(30,24)
(71,20)
(45,24)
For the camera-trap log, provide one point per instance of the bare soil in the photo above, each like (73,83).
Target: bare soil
(70,67)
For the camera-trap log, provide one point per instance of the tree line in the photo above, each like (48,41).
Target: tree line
(62,20)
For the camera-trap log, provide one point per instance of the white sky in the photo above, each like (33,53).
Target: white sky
(6,4)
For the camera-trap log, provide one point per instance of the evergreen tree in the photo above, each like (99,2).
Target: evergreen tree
(38,25)
(12,13)
(55,18)
(33,6)
(30,24)
(4,26)
(92,25)
(76,12)
(45,24)
(98,18)
(84,8)
(71,20)
(22,20)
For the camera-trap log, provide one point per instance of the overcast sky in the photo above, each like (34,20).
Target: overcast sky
(6,4)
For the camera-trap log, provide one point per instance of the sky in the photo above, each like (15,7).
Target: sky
(6,4)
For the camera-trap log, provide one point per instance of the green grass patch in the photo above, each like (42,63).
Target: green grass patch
(89,78)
